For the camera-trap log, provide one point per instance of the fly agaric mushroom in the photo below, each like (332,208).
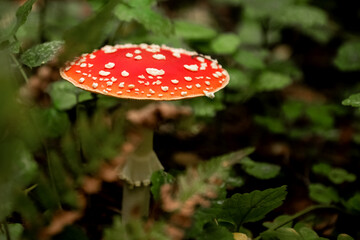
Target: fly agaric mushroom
(145,72)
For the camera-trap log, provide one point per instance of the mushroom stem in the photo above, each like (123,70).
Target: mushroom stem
(137,171)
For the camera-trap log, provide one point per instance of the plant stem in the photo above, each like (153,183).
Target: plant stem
(293,217)
(18,65)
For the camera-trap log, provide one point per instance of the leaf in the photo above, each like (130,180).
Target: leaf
(322,194)
(40,54)
(284,233)
(348,57)
(339,175)
(89,34)
(292,110)
(226,43)
(142,12)
(305,16)
(272,124)
(192,31)
(353,100)
(216,233)
(260,170)
(251,207)
(308,234)
(21,16)
(353,203)
(269,81)
(158,179)
(53,122)
(15,231)
(250,59)
(344,236)
(65,95)
(321,168)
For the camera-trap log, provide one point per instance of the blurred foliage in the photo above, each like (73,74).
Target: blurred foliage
(293,66)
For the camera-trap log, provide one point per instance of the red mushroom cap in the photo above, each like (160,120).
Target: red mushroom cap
(146,72)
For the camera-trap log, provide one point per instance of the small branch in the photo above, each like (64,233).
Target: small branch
(293,217)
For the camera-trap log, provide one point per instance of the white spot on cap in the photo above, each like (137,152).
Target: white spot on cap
(215,75)
(90,65)
(125,73)
(200,59)
(174,81)
(183,93)
(81,80)
(176,54)
(113,79)
(110,65)
(209,94)
(129,55)
(189,86)
(131,86)
(78,71)
(159,56)
(207,83)
(109,83)
(95,85)
(108,49)
(121,84)
(164,88)
(188,79)
(92,56)
(158,82)
(67,68)
(94,78)
(147,84)
(137,51)
(198,85)
(104,73)
(138,57)
(119,92)
(83,65)
(151,91)
(141,77)
(154,71)
(192,67)
(160,95)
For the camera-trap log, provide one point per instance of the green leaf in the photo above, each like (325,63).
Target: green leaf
(348,57)
(158,179)
(353,203)
(308,234)
(305,16)
(142,12)
(322,194)
(274,125)
(65,95)
(193,31)
(238,79)
(353,100)
(216,233)
(89,34)
(21,15)
(226,43)
(344,236)
(339,175)
(284,233)
(292,110)
(261,170)
(40,54)
(269,81)
(15,231)
(53,122)
(321,168)
(251,207)
(250,59)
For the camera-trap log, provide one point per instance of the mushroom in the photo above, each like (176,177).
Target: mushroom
(145,72)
